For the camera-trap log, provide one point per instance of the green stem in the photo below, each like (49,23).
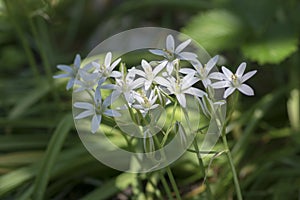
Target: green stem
(165,185)
(173,183)
(202,168)
(229,157)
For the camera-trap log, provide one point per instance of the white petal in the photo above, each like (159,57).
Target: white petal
(115,63)
(216,76)
(248,75)
(107,59)
(187,71)
(227,73)
(95,123)
(170,43)
(228,92)
(211,63)
(162,81)
(184,44)
(65,68)
(181,99)
(159,67)
(137,83)
(61,76)
(146,66)
(112,113)
(77,61)
(241,69)
(220,84)
(115,74)
(147,84)
(84,114)
(187,56)
(195,91)
(157,52)
(70,83)
(84,105)
(170,68)
(139,72)
(246,89)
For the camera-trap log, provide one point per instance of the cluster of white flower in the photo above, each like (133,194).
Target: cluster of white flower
(154,83)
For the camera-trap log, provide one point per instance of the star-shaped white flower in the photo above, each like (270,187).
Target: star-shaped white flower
(148,74)
(145,102)
(235,81)
(87,80)
(71,71)
(171,53)
(203,73)
(181,87)
(106,69)
(96,109)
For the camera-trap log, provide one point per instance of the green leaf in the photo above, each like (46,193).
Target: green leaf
(51,154)
(216,30)
(273,47)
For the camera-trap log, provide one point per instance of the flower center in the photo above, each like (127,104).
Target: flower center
(235,80)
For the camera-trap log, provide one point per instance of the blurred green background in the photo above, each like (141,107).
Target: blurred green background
(41,156)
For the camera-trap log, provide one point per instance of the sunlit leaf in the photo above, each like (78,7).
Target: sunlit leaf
(216,30)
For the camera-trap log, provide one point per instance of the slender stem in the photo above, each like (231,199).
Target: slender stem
(202,168)
(165,185)
(173,183)
(235,177)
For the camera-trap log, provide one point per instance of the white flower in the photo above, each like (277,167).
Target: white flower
(87,80)
(106,69)
(171,53)
(235,81)
(145,102)
(97,109)
(126,85)
(71,71)
(181,87)
(149,75)
(203,73)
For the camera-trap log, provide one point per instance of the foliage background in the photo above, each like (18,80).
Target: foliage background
(41,156)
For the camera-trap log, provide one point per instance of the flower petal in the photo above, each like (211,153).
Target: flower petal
(211,63)
(227,73)
(65,68)
(170,68)
(248,75)
(187,56)
(181,99)
(241,69)
(159,67)
(187,71)
(61,76)
(157,52)
(84,105)
(170,44)
(115,63)
(84,114)
(107,60)
(184,44)
(112,113)
(216,76)
(246,89)
(77,61)
(228,92)
(195,91)
(146,66)
(96,123)
(220,84)
(70,83)
(162,81)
